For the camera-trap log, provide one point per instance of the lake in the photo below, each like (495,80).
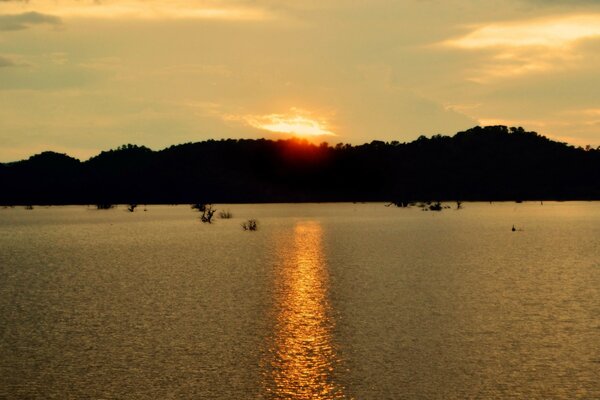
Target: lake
(323,301)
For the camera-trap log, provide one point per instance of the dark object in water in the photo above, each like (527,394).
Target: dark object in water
(199,206)
(225,214)
(437,206)
(250,225)
(207,213)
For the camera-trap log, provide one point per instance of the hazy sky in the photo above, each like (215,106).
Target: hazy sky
(80,76)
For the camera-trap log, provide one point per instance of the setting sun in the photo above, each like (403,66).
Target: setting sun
(297,122)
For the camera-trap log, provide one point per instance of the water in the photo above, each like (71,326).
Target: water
(324,301)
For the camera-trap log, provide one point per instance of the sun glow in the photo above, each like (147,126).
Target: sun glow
(297,122)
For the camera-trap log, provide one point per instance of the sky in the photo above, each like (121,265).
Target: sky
(82,76)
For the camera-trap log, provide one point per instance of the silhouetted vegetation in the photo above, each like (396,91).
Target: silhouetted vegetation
(198,206)
(207,211)
(437,206)
(225,214)
(491,163)
(104,206)
(250,225)
(401,203)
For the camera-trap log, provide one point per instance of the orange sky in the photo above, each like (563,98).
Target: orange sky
(80,76)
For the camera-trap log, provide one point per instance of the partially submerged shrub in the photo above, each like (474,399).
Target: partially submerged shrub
(424,205)
(437,206)
(198,206)
(250,225)
(432,206)
(207,213)
(225,214)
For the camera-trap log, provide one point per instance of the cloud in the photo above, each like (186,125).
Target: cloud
(6,62)
(553,32)
(141,9)
(588,112)
(296,121)
(160,72)
(523,47)
(16,22)
(570,3)
(567,127)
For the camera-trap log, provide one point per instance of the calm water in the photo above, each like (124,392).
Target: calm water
(324,301)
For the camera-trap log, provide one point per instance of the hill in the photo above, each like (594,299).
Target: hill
(482,163)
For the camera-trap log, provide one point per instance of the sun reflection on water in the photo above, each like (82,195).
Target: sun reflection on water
(302,359)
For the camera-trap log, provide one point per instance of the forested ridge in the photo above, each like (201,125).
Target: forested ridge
(482,163)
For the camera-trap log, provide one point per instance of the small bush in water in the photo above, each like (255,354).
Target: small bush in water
(250,225)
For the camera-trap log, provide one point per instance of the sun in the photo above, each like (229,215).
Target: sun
(297,122)
(297,125)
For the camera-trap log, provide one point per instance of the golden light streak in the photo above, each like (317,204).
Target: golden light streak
(303,357)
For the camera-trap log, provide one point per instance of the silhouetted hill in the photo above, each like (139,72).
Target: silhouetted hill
(491,163)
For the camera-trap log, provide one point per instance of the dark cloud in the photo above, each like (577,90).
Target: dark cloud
(16,22)
(6,62)
(568,3)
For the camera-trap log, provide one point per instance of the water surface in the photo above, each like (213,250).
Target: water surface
(330,301)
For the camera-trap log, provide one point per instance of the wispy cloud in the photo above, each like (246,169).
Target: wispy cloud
(591,112)
(575,126)
(530,46)
(16,22)
(6,62)
(138,9)
(551,32)
(296,122)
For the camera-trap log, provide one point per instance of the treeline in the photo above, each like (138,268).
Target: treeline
(491,163)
